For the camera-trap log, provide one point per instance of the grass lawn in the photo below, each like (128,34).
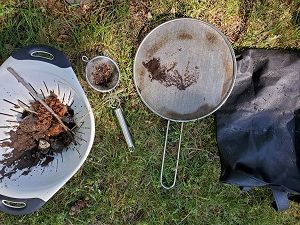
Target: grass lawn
(115,186)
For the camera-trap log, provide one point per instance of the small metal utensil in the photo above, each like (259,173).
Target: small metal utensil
(91,66)
(110,87)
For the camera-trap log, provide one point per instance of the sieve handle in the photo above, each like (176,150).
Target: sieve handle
(20,206)
(42,53)
(124,127)
(164,155)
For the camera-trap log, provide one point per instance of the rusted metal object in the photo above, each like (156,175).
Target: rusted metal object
(184,70)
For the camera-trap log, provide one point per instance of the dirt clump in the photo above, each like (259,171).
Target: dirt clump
(102,75)
(78,206)
(140,14)
(35,139)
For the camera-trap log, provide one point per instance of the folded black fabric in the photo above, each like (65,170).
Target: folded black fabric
(258,129)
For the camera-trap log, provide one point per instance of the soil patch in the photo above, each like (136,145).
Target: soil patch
(236,25)
(140,15)
(78,206)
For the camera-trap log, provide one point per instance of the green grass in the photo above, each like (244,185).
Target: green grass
(123,188)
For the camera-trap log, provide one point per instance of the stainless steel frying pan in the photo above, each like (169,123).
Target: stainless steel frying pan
(184,70)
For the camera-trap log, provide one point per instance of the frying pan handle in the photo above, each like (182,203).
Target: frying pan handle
(19,206)
(164,155)
(42,53)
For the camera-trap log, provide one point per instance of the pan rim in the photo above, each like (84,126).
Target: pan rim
(224,98)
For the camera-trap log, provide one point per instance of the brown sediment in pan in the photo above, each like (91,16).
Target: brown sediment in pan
(168,75)
(38,137)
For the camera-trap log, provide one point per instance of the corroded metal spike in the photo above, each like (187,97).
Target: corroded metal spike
(5,114)
(46,87)
(14,104)
(43,93)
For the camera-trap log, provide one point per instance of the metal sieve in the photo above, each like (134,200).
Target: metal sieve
(184,70)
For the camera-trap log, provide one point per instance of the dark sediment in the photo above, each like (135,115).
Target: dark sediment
(34,129)
(102,75)
(168,75)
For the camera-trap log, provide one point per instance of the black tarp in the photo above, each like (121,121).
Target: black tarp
(258,128)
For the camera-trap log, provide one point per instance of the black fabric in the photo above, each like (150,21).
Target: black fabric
(258,128)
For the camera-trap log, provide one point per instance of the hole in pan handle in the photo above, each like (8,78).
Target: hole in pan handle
(42,53)
(20,206)
(164,155)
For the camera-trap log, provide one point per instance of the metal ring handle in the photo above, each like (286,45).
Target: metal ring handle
(164,155)
(85,59)
(114,101)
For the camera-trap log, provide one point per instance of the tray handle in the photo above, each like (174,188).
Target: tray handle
(19,206)
(42,53)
